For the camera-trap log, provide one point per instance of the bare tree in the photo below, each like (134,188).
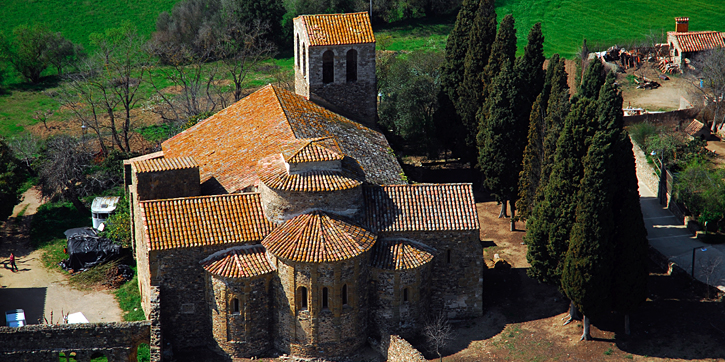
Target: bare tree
(710,68)
(65,163)
(438,333)
(710,271)
(26,148)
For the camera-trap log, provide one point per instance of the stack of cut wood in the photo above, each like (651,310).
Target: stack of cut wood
(667,66)
(645,83)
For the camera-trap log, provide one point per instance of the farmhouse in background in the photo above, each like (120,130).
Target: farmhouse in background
(279,224)
(685,44)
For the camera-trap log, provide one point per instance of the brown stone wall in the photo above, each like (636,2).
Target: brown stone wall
(280,206)
(396,349)
(245,333)
(43,342)
(456,285)
(185,312)
(167,184)
(389,311)
(337,330)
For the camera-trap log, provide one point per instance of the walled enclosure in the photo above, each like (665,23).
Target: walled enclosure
(43,343)
(313,331)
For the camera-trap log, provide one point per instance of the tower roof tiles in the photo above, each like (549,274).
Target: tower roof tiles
(164,164)
(273,173)
(239,262)
(338,29)
(400,254)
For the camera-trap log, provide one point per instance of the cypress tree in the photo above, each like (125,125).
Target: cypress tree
(557,110)
(629,278)
(586,275)
(457,47)
(530,68)
(500,147)
(592,81)
(470,95)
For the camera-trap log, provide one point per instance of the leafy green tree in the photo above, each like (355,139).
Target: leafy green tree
(12,176)
(470,92)
(702,190)
(410,98)
(61,52)
(586,275)
(118,226)
(501,139)
(457,47)
(27,52)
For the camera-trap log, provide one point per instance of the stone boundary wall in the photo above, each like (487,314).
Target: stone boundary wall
(662,118)
(396,349)
(43,342)
(155,337)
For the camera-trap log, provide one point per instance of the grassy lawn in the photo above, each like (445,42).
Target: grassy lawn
(78,19)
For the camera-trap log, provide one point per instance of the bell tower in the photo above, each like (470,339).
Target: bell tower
(335,63)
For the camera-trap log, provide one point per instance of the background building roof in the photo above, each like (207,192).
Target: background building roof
(338,29)
(228,145)
(204,220)
(695,41)
(421,207)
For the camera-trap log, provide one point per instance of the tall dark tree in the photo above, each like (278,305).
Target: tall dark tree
(533,156)
(457,47)
(12,175)
(629,277)
(586,275)
(501,138)
(557,110)
(530,68)
(470,91)
(592,81)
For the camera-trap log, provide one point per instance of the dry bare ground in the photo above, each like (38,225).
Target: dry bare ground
(522,318)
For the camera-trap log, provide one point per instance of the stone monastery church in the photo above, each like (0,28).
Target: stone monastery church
(280,224)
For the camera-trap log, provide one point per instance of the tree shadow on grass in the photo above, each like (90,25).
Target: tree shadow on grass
(47,82)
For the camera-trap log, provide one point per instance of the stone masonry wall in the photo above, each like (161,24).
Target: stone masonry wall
(389,311)
(314,331)
(42,343)
(167,184)
(456,285)
(396,349)
(185,313)
(156,341)
(280,206)
(356,98)
(246,332)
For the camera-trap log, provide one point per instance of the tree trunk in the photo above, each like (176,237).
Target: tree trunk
(513,216)
(585,333)
(502,214)
(627,331)
(572,313)
(71,195)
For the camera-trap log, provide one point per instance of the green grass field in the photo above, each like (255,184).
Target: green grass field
(78,19)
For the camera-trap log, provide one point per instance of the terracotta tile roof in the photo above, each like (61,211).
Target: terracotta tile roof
(422,207)
(682,19)
(164,164)
(400,254)
(695,41)
(273,173)
(204,220)
(311,150)
(338,29)
(228,145)
(694,127)
(318,237)
(239,262)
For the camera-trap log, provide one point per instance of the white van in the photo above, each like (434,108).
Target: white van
(102,208)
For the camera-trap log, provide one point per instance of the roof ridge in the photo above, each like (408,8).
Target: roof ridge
(284,111)
(200,197)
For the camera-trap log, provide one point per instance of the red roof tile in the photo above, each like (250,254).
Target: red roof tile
(239,262)
(228,145)
(164,164)
(422,207)
(312,150)
(694,127)
(318,237)
(338,29)
(273,173)
(695,41)
(204,220)
(400,254)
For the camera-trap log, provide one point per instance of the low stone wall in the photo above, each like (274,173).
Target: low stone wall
(673,117)
(155,338)
(396,349)
(43,342)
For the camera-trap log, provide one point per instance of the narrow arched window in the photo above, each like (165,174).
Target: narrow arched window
(676,52)
(344,294)
(235,306)
(352,65)
(302,298)
(328,67)
(405,294)
(297,43)
(324,298)
(448,256)
(304,59)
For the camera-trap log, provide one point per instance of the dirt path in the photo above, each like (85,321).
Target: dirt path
(37,290)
